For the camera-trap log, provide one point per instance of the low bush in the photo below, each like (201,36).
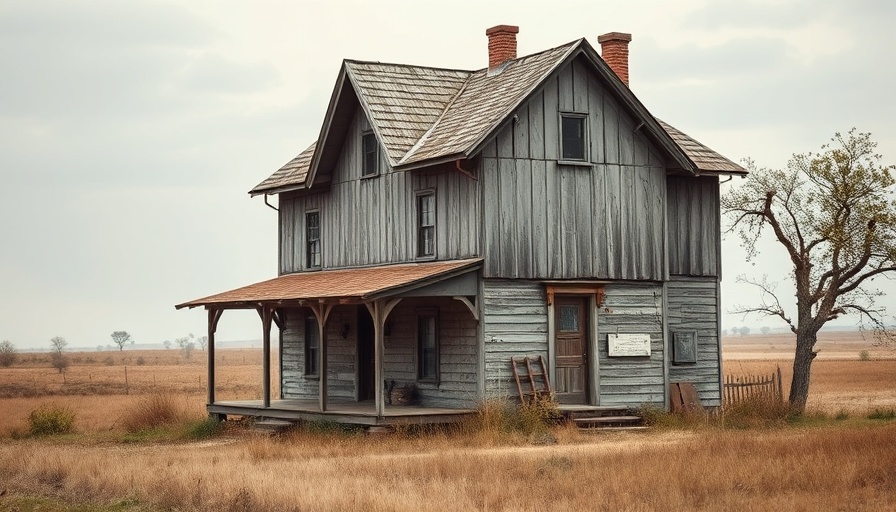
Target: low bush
(203,429)
(864,355)
(151,412)
(51,419)
(756,412)
(882,414)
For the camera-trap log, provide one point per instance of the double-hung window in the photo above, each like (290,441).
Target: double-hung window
(573,137)
(427,346)
(426,225)
(312,346)
(370,157)
(312,240)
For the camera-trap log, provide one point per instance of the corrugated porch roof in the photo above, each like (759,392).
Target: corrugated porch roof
(347,285)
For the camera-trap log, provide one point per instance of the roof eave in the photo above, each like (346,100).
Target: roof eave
(325,128)
(276,190)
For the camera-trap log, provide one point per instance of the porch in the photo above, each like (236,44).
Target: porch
(339,411)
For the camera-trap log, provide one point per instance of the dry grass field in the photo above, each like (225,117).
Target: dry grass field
(821,463)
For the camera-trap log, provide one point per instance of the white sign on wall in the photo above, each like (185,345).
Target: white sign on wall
(628,345)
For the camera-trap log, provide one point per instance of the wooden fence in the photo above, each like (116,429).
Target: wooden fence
(748,387)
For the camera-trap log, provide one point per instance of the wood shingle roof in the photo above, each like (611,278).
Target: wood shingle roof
(423,115)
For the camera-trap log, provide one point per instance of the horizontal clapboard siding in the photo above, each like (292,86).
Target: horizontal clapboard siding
(694,231)
(632,381)
(543,219)
(373,220)
(341,356)
(514,323)
(692,306)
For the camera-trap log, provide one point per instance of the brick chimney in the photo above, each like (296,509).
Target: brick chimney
(614,51)
(501,44)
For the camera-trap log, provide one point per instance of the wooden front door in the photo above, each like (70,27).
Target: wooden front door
(366,385)
(570,349)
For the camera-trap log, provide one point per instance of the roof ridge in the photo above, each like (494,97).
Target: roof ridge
(396,64)
(571,43)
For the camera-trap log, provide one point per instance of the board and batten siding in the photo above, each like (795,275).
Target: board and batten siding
(341,356)
(514,323)
(692,206)
(544,219)
(692,305)
(373,220)
(631,381)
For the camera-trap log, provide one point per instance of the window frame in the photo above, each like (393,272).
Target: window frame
(427,313)
(309,264)
(312,353)
(585,159)
(365,172)
(420,227)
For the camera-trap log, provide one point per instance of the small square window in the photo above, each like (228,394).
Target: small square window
(427,346)
(426,225)
(572,137)
(371,155)
(312,346)
(312,239)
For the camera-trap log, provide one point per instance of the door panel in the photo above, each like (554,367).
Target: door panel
(570,350)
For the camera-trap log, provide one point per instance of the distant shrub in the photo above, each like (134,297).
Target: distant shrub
(864,356)
(152,411)
(882,414)
(841,415)
(109,361)
(140,361)
(51,419)
(8,354)
(59,361)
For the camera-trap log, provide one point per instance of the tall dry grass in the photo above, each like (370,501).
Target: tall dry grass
(834,468)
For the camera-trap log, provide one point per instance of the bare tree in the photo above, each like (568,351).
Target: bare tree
(833,213)
(122,338)
(167,344)
(186,346)
(203,342)
(8,353)
(58,358)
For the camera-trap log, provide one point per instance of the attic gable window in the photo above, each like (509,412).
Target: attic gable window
(426,225)
(312,240)
(370,157)
(573,129)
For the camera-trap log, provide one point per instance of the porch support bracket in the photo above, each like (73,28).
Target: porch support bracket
(379,310)
(472,305)
(322,312)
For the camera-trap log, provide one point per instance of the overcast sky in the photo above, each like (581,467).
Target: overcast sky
(130,132)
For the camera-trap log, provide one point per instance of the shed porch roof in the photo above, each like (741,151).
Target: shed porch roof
(353,285)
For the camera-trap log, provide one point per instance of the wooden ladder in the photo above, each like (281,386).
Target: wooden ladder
(531,372)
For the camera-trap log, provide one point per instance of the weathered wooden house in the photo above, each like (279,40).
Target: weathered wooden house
(447,220)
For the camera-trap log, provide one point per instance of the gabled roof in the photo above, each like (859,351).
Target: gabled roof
(353,284)
(424,115)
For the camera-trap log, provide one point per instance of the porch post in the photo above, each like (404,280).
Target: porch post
(266,316)
(213,316)
(322,313)
(379,310)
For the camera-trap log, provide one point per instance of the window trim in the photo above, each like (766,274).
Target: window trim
(419,226)
(418,352)
(311,322)
(376,145)
(308,261)
(586,147)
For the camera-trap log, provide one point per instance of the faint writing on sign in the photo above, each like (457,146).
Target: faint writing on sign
(628,345)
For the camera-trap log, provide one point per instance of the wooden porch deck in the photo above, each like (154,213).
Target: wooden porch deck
(357,413)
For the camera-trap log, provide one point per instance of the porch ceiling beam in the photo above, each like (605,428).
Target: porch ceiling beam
(322,312)
(472,305)
(379,310)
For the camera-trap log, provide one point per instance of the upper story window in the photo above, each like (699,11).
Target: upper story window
(426,224)
(573,139)
(370,158)
(312,240)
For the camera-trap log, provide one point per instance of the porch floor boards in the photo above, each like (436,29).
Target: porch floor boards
(360,413)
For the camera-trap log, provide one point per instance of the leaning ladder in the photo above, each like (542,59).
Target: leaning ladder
(530,373)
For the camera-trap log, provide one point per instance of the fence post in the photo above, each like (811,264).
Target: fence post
(780,386)
(127,390)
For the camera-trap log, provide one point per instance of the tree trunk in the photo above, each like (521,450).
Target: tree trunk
(802,364)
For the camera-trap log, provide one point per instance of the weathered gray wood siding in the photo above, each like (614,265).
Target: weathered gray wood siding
(546,219)
(692,306)
(458,352)
(692,207)
(372,220)
(458,356)
(341,356)
(514,323)
(631,309)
